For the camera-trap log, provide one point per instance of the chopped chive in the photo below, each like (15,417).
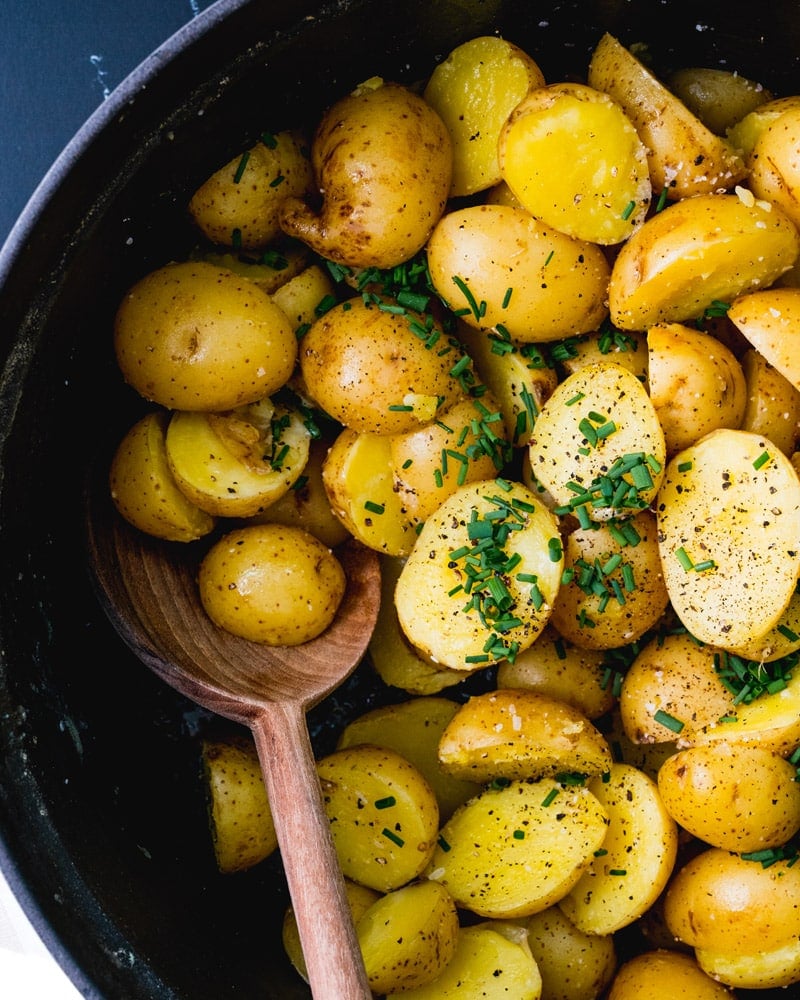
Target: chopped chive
(628,210)
(518,835)
(393,837)
(548,799)
(386,803)
(685,466)
(443,844)
(374,508)
(665,719)
(683,558)
(241,167)
(762,460)
(507,298)
(617,871)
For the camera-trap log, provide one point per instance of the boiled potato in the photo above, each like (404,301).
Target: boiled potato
(465,608)
(378,207)
(664,974)
(771,721)
(144,490)
(408,937)
(696,252)
(685,157)
(301,296)
(395,660)
(467,443)
(598,444)
(728,547)
(628,874)
(718,97)
(236,463)
(357,475)
(773,403)
(512,733)
(238,205)
(613,589)
(629,350)
(272,584)
(743,134)
(359,898)
(489,964)
(240,819)
(499,268)
(672,685)
(702,789)
(474,90)
(516,849)
(557,668)
(775,164)
(413,728)
(269,271)
(573,158)
(696,384)
(769,320)
(724,903)
(383,813)
(306,504)
(366,367)
(517,375)
(760,970)
(192,336)
(573,965)
(783,638)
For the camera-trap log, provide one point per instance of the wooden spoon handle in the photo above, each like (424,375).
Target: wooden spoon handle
(330,946)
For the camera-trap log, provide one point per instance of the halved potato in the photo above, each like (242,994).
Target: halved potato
(514,733)
(235,464)
(514,850)
(729,523)
(358,478)
(696,383)
(598,444)
(573,158)
(144,490)
(474,89)
(770,319)
(480,582)
(698,252)
(628,874)
(685,157)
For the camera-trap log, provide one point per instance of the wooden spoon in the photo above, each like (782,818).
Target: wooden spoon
(149,592)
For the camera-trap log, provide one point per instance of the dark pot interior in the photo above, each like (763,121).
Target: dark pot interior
(102,821)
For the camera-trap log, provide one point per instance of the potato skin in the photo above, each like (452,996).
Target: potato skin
(665,975)
(245,195)
(144,490)
(192,336)
(378,207)
(367,369)
(702,788)
(558,284)
(272,584)
(722,902)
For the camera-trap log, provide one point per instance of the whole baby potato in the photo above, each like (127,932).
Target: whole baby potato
(725,903)
(573,965)
(239,203)
(665,975)
(192,336)
(719,97)
(702,789)
(775,164)
(379,202)
(272,584)
(367,368)
(499,267)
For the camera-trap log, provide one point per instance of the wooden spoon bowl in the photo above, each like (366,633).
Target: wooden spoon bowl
(149,592)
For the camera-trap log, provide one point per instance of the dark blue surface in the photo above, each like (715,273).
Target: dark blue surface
(59,59)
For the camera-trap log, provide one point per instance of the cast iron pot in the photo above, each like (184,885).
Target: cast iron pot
(102,817)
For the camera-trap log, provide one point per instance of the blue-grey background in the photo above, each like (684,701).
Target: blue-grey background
(59,59)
